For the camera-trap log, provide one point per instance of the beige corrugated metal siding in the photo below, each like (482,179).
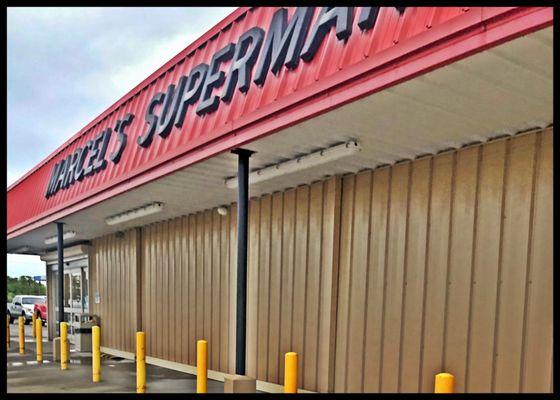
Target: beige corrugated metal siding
(189,284)
(379,280)
(446,265)
(292,275)
(114,274)
(188,288)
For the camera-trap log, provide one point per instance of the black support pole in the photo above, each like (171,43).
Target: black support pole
(60,250)
(242,224)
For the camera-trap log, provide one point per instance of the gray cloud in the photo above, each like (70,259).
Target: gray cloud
(67,65)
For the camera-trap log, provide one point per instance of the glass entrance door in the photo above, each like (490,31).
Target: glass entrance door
(75,294)
(76,280)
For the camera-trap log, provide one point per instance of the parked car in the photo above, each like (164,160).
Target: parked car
(40,310)
(23,305)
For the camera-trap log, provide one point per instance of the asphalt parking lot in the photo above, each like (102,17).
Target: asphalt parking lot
(118,375)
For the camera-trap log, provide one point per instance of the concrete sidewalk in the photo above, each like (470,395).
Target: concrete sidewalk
(25,375)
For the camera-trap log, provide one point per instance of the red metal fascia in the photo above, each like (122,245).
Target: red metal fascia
(493,28)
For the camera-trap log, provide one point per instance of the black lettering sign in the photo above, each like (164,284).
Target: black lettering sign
(90,169)
(100,163)
(69,175)
(167,100)
(245,57)
(151,119)
(115,156)
(193,88)
(71,169)
(170,107)
(52,181)
(286,42)
(214,79)
(368,17)
(79,174)
(339,17)
(284,45)
(61,174)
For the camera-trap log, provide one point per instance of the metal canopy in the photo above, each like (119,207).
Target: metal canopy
(500,91)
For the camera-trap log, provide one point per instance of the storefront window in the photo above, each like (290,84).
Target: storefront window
(76,290)
(85,292)
(54,282)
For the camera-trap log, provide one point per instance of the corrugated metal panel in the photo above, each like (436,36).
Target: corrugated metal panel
(188,292)
(278,93)
(113,272)
(536,368)
(292,283)
(445,265)
(188,284)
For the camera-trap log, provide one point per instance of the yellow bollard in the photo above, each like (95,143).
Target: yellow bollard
(96,353)
(21,335)
(444,383)
(34,330)
(39,338)
(7,332)
(201,366)
(290,372)
(63,346)
(140,362)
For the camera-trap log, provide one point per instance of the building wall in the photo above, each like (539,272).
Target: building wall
(189,284)
(292,275)
(446,265)
(188,266)
(379,280)
(114,273)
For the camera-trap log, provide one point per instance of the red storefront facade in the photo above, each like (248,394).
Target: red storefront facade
(370,61)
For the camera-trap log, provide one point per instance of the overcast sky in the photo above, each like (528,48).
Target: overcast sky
(67,65)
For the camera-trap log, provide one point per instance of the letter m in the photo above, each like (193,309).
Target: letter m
(283,42)
(52,181)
